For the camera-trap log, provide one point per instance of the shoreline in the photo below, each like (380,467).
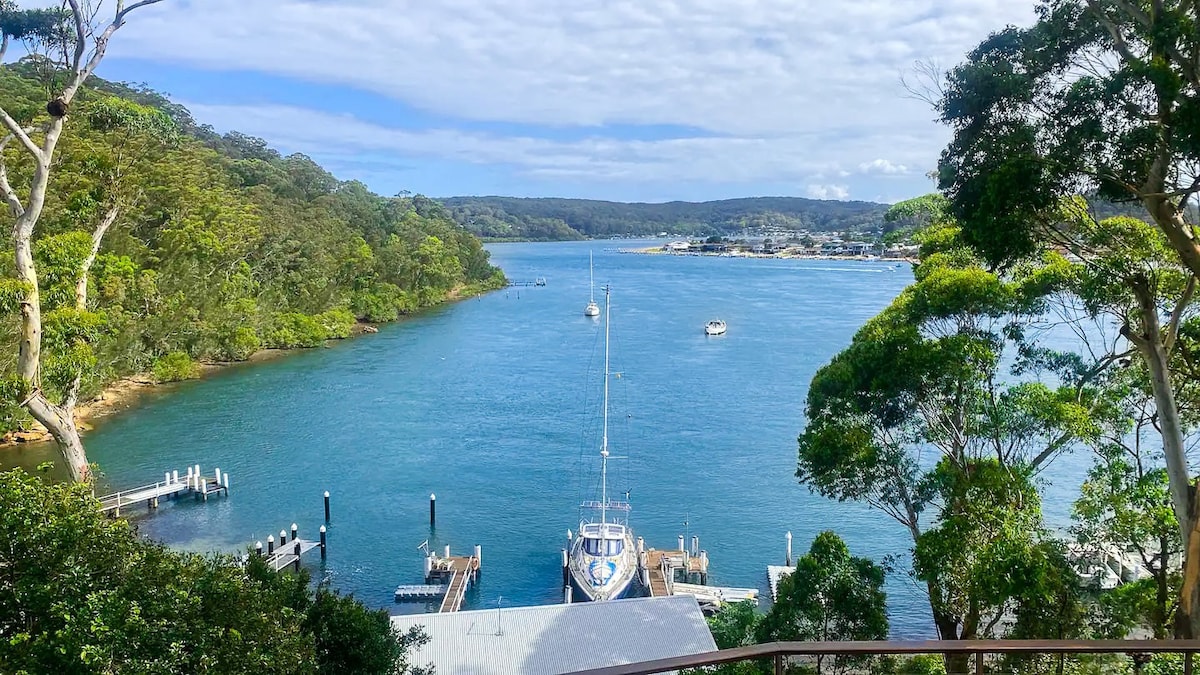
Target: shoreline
(654,250)
(125,393)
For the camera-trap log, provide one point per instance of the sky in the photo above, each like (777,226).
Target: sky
(627,100)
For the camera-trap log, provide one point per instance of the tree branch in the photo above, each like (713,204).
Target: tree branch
(1173,324)
(19,132)
(81,286)
(10,195)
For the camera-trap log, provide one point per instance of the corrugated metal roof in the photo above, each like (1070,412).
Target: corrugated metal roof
(553,639)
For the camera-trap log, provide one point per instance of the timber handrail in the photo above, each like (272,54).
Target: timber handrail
(778,650)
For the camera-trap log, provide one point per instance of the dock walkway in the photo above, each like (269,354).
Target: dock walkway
(172,485)
(463,572)
(290,553)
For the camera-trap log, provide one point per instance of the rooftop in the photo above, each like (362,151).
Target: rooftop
(550,639)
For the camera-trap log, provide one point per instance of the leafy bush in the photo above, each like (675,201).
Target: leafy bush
(293,329)
(338,323)
(83,593)
(174,367)
(239,344)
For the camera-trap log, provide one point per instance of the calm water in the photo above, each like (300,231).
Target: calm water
(492,403)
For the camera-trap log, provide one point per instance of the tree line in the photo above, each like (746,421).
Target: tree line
(553,219)
(145,242)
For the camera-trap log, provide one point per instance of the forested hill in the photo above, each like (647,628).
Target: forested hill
(551,219)
(220,247)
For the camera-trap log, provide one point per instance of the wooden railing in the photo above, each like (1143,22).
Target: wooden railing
(975,651)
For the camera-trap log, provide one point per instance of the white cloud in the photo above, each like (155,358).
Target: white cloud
(828,192)
(712,159)
(882,166)
(783,85)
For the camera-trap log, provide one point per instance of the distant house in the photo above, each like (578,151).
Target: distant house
(559,638)
(677,246)
(833,247)
(859,248)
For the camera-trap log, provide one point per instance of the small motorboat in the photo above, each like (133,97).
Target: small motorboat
(714,327)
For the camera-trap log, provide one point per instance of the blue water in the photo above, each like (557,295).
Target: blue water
(492,403)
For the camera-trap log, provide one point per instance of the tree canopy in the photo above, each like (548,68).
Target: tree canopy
(82,593)
(220,246)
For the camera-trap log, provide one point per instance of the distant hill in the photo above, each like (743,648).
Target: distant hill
(545,219)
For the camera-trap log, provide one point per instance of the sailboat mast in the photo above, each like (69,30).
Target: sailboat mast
(604,441)
(591,279)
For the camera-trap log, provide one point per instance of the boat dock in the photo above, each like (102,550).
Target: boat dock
(172,485)
(290,550)
(447,578)
(540,281)
(775,574)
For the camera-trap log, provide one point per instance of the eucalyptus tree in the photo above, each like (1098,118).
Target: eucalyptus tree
(831,595)
(1099,97)
(72,42)
(921,419)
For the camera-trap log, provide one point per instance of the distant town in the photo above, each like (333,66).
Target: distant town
(785,244)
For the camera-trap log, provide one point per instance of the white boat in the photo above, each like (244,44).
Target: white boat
(603,560)
(714,327)
(592,308)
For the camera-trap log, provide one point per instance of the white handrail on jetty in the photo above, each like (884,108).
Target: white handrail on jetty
(193,482)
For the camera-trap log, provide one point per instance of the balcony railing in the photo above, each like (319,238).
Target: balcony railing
(975,653)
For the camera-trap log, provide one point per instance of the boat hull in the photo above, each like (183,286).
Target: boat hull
(582,592)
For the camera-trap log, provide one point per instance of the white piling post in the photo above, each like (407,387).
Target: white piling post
(270,544)
(641,543)
(695,545)
(479,555)
(218,472)
(447,551)
(197,473)
(282,537)
(167,479)
(175,476)
(788,560)
(226,477)
(567,594)
(568,535)
(681,548)
(189,477)
(428,566)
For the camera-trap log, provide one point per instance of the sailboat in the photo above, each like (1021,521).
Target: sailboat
(592,308)
(603,558)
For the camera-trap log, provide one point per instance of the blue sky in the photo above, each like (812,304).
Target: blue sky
(631,100)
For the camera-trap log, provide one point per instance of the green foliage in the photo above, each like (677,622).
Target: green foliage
(546,219)
(1027,135)
(830,596)
(82,593)
(221,246)
(174,367)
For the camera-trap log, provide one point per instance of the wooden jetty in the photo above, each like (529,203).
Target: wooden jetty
(290,550)
(172,485)
(660,569)
(290,554)
(775,574)
(540,281)
(447,578)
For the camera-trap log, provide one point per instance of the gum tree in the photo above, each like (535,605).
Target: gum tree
(70,44)
(1099,97)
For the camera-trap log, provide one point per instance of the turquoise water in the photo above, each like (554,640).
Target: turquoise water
(492,403)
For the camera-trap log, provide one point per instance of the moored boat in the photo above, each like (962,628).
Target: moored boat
(602,561)
(714,327)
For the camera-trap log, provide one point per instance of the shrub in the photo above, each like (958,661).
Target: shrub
(174,367)
(337,323)
(238,344)
(293,329)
